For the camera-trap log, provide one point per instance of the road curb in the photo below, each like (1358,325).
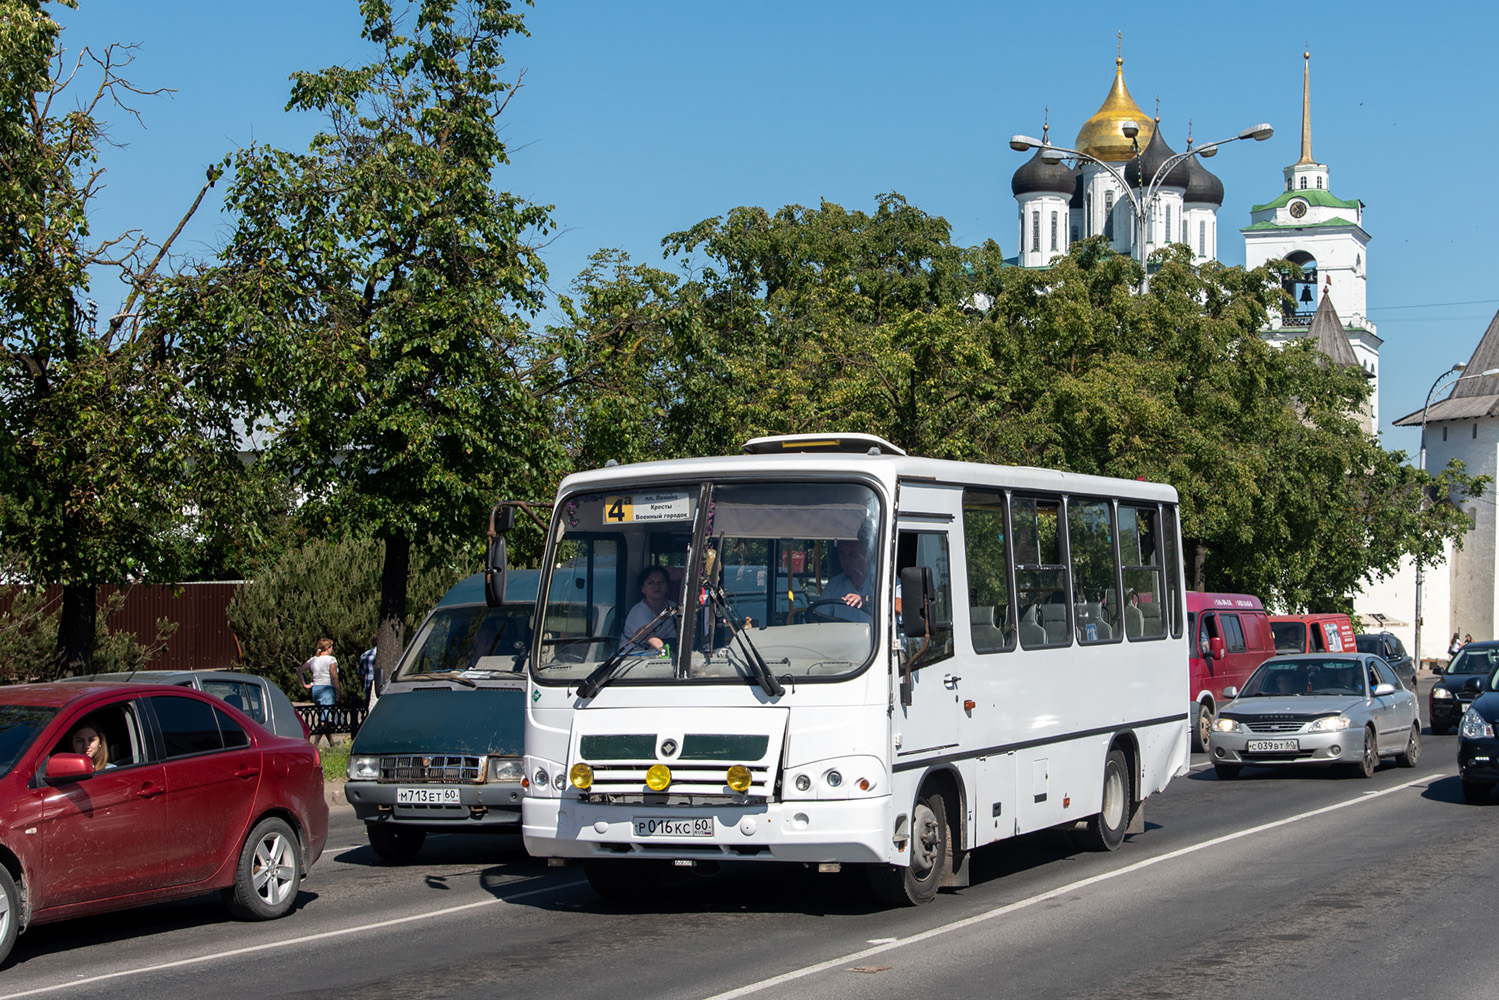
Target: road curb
(333,792)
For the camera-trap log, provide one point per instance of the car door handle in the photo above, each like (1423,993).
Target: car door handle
(249,771)
(149,790)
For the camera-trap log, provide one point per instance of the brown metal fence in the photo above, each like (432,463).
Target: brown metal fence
(202,641)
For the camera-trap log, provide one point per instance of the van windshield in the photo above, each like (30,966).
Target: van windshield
(468,640)
(770,585)
(1290,637)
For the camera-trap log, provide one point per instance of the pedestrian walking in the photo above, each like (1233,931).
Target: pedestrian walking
(367,666)
(319,675)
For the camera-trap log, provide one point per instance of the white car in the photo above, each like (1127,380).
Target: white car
(1347,709)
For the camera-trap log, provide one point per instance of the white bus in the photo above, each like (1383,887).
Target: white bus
(826,651)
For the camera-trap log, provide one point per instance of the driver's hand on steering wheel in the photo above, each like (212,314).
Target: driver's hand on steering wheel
(853,600)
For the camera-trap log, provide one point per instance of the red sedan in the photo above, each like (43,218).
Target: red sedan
(119,795)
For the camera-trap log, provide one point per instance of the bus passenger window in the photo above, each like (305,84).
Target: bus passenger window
(923,548)
(1040,574)
(991,614)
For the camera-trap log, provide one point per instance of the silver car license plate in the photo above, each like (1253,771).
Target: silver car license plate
(439,795)
(1273,746)
(661,826)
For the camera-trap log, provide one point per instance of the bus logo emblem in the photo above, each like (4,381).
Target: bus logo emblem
(668,747)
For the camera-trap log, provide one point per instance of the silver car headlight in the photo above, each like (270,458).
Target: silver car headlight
(1438,694)
(364,768)
(1329,724)
(1476,726)
(506,769)
(1227,725)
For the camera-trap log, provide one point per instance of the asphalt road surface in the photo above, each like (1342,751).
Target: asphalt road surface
(1274,885)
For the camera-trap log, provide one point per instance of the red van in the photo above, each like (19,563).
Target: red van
(1230,636)
(1323,633)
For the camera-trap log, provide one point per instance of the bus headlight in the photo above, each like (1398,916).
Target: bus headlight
(658,778)
(803,782)
(833,778)
(581,776)
(364,768)
(739,778)
(506,769)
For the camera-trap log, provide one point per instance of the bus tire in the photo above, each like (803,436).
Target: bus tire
(1105,830)
(930,845)
(623,881)
(1202,726)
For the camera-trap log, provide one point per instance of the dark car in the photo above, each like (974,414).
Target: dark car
(170,793)
(441,751)
(256,696)
(1477,746)
(1393,650)
(1463,679)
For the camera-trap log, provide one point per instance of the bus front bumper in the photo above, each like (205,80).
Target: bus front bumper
(810,831)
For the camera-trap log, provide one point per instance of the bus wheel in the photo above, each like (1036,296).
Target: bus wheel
(1105,831)
(917,883)
(622,881)
(1201,730)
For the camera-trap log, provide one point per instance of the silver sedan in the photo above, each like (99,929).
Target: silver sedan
(1317,709)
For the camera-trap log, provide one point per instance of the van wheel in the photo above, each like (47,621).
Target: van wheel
(1203,727)
(1105,831)
(917,883)
(396,844)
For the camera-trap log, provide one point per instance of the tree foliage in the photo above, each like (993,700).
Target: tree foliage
(109,454)
(823,319)
(383,283)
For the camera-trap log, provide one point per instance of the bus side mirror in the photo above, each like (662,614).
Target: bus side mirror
(501,520)
(917,591)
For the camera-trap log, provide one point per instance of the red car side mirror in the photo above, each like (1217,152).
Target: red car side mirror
(1218,649)
(69,767)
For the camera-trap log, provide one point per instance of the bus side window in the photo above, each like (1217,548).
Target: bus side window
(929,548)
(991,613)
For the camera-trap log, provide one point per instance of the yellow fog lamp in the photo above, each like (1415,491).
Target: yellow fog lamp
(658,777)
(581,776)
(739,778)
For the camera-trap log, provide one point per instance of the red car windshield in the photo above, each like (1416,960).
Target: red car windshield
(19,725)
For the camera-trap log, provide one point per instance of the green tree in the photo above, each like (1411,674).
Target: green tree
(383,284)
(108,451)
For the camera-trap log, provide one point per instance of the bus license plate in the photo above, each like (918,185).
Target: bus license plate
(1274,746)
(439,796)
(655,826)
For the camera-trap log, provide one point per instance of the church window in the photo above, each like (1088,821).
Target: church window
(1319,184)
(1088,212)
(1035,230)
(1202,238)
(1444,433)
(1168,223)
(1475,432)
(1074,232)
(1303,183)
(1053,230)
(1108,214)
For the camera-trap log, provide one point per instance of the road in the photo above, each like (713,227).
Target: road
(1273,885)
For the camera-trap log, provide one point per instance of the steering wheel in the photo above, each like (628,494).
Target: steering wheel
(814,615)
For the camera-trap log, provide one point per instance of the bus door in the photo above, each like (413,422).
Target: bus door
(929,708)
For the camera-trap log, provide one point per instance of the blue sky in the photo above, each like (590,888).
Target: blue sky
(639,119)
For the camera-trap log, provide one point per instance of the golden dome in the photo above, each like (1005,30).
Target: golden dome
(1100,135)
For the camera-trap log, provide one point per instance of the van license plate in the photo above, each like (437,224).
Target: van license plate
(1274,746)
(439,796)
(655,826)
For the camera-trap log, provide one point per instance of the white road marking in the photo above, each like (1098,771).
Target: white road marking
(1072,887)
(290,942)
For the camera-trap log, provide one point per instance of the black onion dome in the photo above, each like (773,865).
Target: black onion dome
(1203,186)
(1036,175)
(1150,162)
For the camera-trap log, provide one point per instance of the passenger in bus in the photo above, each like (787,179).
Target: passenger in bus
(854,586)
(654,582)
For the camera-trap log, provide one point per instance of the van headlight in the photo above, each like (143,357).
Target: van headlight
(364,768)
(506,769)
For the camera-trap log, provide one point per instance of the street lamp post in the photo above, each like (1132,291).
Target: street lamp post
(1457,370)
(1148,190)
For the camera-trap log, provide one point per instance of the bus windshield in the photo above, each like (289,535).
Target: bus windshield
(784,579)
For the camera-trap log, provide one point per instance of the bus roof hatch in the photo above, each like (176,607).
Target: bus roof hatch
(853,444)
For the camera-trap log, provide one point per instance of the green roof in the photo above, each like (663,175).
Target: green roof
(1318,197)
(1334,221)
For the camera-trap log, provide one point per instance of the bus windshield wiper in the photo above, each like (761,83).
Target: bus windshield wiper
(766,679)
(604,672)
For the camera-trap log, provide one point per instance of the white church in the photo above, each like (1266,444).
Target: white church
(1307,224)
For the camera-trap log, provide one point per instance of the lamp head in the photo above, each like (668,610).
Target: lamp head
(1130,128)
(1491,371)
(1207,151)
(1051,154)
(1259,133)
(1020,143)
